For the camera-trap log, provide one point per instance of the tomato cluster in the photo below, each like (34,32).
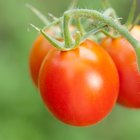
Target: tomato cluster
(81,86)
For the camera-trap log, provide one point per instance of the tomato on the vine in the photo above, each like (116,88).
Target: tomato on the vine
(80,86)
(124,56)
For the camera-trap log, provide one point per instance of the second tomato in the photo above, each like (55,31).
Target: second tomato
(124,56)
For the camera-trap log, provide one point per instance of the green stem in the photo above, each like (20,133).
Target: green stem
(54,42)
(52,16)
(110,22)
(107,20)
(78,39)
(80,27)
(108,34)
(67,35)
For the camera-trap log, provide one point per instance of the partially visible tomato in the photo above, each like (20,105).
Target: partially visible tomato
(135,32)
(124,56)
(37,54)
(80,87)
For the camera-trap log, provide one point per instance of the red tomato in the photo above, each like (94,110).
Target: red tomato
(80,87)
(124,56)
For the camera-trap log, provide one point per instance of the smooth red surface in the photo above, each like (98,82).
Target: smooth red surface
(124,56)
(80,87)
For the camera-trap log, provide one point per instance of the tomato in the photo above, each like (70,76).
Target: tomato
(80,87)
(135,32)
(124,56)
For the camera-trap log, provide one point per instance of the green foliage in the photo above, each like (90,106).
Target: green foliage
(22,113)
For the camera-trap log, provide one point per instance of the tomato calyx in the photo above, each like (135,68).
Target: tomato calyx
(92,14)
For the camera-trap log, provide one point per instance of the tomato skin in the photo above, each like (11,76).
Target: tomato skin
(124,56)
(80,87)
(37,55)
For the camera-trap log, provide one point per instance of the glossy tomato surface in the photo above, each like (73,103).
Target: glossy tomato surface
(80,87)
(124,56)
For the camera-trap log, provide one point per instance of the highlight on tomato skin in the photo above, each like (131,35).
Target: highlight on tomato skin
(79,87)
(124,56)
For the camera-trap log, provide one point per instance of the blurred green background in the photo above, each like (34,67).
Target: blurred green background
(22,113)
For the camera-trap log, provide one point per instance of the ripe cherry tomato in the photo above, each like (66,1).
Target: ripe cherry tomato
(124,56)
(80,87)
